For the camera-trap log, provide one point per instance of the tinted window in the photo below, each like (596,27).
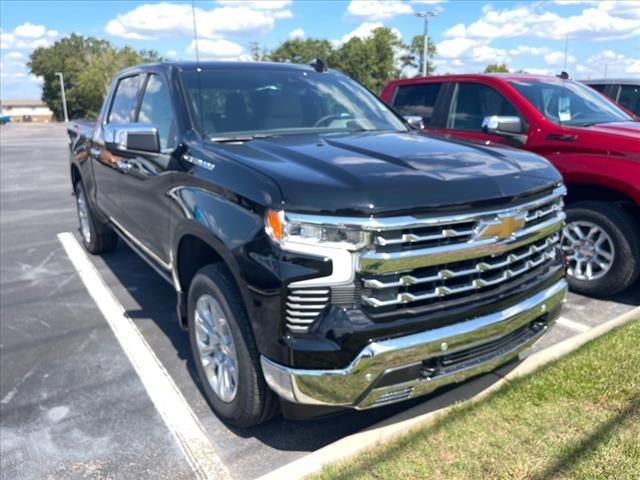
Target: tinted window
(417,99)
(123,108)
(629,98)
(599,87)
(156,110)
(283,101)
(569,103)
(472,102)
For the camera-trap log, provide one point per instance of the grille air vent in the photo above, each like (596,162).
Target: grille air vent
(304,305)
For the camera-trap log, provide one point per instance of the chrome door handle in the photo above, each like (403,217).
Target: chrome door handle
(123,165)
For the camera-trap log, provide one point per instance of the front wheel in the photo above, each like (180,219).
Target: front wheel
(602,245)
(224,350)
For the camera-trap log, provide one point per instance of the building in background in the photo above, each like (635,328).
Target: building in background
(27,111)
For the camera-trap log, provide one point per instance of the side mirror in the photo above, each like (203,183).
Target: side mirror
(508,126)
(120,138)
(414,121)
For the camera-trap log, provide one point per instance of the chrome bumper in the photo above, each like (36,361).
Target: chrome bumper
(359,385)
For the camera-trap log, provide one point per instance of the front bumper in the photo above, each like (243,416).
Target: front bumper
(396,369)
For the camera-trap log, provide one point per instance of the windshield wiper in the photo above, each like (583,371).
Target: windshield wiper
(239,138)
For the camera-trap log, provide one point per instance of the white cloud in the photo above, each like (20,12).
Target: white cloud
(257,4)
(539,71)
(27,36)
(297,33)
(557,58)
(378,10)
(15,56)
(615,65)
(29,30)
(15,80)
(218,49)
(364,30)
(171,54)
(607,20)
(528,50)
(154,20)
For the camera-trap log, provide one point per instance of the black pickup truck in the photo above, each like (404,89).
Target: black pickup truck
(325,255)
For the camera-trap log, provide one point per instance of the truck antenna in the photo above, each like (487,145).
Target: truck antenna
(198,69)
(195,31)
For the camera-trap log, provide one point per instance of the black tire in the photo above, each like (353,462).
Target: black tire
(254,402)
(624,232)
(100,237)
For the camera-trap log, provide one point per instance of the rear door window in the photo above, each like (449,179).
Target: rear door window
(472,102)
(123,107)
(629,98)
(599,87)
(417,99)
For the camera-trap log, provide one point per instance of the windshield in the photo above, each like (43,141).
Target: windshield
(569,103)
(261,101)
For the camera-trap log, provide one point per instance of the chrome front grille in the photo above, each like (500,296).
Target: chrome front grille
(304,305)
(435,257)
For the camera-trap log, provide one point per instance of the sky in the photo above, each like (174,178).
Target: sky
(603,36)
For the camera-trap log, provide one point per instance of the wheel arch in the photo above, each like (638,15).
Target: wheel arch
(585,191)
(194,247)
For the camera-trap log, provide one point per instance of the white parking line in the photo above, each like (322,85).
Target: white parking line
(570,324)
(164,393)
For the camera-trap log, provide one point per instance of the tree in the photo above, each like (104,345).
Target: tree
(298,50)
(258,52)
(372,60)
(414,56)
(88,64)
(496,68)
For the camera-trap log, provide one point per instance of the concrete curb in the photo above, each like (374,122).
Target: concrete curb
(428,412)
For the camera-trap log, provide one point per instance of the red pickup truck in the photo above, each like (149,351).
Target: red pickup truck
(592,142)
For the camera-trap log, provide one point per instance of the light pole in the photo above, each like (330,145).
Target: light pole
(425,46)
(64,99)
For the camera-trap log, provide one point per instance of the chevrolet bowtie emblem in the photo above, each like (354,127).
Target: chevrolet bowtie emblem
(502,226)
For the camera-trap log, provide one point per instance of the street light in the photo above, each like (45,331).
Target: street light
(425,47)
(64,99)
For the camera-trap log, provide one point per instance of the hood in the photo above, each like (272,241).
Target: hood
(625,129)
(389,172)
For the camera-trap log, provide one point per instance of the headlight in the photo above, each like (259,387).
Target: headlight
(298,229)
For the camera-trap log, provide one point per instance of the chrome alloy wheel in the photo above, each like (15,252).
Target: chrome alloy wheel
(589,250)
(216,348)
(83,215)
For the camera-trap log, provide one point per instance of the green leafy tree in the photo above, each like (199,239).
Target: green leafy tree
(258,52)
(496,68)
(298,50)
(373,60)
(88,64)
(413,58)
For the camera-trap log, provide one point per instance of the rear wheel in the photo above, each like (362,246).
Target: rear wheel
(224,350)
(96,236)
(602,245)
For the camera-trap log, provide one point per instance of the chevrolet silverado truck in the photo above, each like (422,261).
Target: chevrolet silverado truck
(591,141)
(324,254)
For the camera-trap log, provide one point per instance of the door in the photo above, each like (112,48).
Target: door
(146,179)
(107,168)
(470,103)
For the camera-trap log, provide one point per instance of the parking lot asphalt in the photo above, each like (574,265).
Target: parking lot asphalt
(71,403)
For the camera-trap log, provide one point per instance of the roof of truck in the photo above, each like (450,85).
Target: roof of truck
(221,65)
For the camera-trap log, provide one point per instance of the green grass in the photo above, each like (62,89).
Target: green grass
(578,418)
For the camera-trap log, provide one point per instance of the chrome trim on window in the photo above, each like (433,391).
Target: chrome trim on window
(351,386)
